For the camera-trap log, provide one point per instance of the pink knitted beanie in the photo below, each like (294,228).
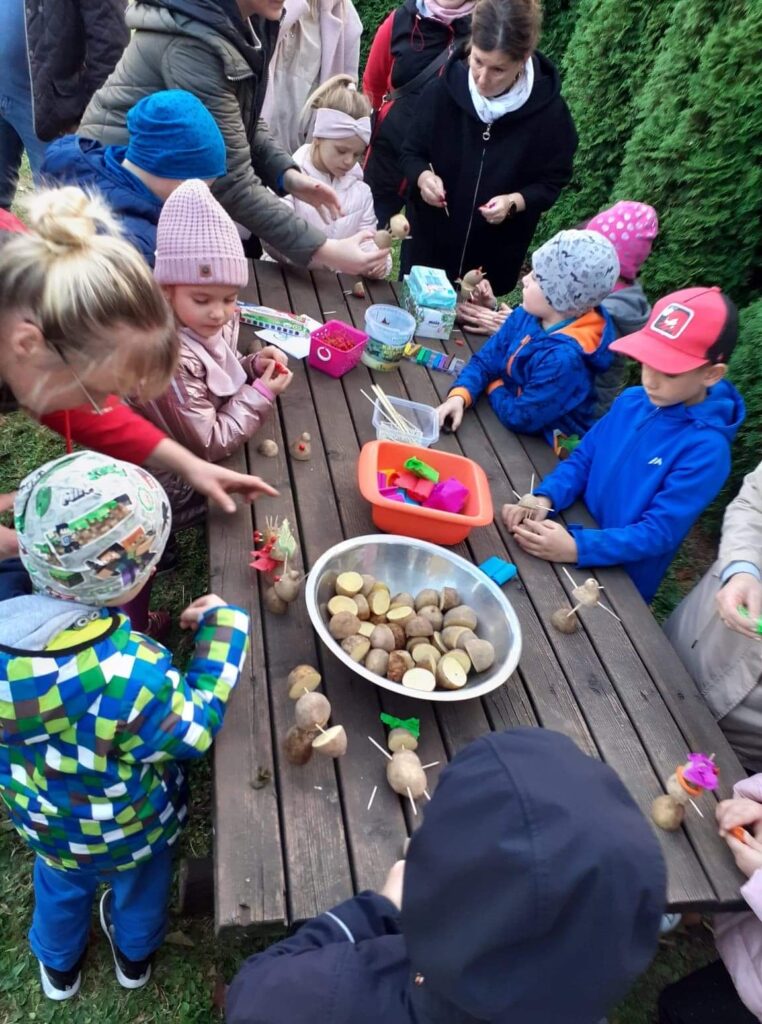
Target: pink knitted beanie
(197,242)
(631,228)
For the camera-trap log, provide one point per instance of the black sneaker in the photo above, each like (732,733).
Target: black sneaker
(60,985)
(129,973)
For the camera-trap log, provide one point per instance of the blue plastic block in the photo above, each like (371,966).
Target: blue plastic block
(498,570)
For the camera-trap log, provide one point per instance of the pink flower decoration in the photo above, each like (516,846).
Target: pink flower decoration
(701,771)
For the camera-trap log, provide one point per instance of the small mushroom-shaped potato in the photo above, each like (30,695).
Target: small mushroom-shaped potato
(268,448)
(382,638)
(667,813)
(377,661)
(343,624)
(563,621)
(379,602)
(448,598)
(399,663)
(426,597)
(404,775)
(401,739)
(332,742)
(419,679)
(366,629)
(450,674)
(399,226)
(274,604)
(297,745)
(301,678)
(462,658)
(450,634)
(363,608)
(288,586)
(418,626)
(481,653)
(426,655)
(402,600)
(401,613)
(399,635)
(433,614)
(339,603)
(461,615)
(464,637)
(349,583)
(368,582)
(356,646)
(312,709)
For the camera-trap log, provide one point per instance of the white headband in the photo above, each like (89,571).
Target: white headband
(333,124)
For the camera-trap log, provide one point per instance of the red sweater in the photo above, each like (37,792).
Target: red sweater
(10,223)
(120,431)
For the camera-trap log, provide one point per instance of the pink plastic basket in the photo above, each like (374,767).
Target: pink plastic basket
(334,361)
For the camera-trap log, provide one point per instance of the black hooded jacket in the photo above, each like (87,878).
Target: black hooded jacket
(533,893)
(529,150)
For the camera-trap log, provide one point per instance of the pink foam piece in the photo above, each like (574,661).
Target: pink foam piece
(422,489)
(448,496)
(392,493)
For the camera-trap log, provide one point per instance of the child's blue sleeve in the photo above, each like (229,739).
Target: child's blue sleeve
(558,383)
(180,717)
(569,479)
(484,367)
(687,490)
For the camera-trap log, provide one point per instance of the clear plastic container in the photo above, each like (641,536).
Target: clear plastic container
(389,329)
(423,418)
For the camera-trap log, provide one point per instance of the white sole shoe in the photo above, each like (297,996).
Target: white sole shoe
(121,977)
(58,995)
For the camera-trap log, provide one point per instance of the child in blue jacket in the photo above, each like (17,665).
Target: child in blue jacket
(539,369)
(650,466)
(514,905)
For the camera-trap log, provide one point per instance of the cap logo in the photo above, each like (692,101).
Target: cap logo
(672,320)
(205,270)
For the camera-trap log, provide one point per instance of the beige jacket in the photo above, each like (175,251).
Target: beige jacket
(725,665)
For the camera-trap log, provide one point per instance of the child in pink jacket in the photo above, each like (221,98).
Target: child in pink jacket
(730,990)
(217,398)
(340,136)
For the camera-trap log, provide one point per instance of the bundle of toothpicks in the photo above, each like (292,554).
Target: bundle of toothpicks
(390,414)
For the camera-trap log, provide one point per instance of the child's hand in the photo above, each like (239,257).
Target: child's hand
(276,377)
(395,880)
(192,615)
(739,811)
(270,354)
(512,515)
(453,407)
(743,590)
(499,207)
(747,854)
(550,541)
(432,189)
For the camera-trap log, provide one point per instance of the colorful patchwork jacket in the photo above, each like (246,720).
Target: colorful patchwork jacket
(92,728)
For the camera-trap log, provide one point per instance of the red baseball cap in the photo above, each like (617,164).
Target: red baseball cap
(687,329)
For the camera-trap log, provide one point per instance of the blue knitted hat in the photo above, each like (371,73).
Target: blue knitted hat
(173,135)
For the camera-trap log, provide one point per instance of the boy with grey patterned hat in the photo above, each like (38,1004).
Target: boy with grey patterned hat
(539,369)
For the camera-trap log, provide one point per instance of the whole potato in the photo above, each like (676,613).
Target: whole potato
(343,624)
(433,614)
(462,615)
(297,744)
(425,598)
(399,663)
(382,638)
(418,626)
(404,776)
(312,709)
(377,661)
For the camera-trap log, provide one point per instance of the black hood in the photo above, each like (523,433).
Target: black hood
(545,89)
(224,16)
(533,889)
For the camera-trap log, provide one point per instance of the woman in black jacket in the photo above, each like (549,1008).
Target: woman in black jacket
(490,149)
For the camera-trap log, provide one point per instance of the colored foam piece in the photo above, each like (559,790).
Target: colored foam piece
(498,570)
(421,468)
(392,493)
(405,480)
(408,499)
(448,496)
(421,489)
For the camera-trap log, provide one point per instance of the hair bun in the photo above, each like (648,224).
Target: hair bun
(68,218)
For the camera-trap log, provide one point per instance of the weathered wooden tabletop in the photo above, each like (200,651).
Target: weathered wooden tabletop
(292,841)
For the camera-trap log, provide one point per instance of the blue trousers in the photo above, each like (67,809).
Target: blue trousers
(17,135)
(14,579)
(63,909)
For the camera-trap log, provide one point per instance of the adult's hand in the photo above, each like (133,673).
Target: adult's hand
(479,320)
(498,208)
(349,256)
(743,590)
(432,189)
(314,192)
(482,295)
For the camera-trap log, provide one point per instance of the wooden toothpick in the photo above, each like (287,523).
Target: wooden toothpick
(531,485)
(412,802)
(426,794)
(432,765)
(372,798)
(697,808)
(609,610)
(384,752)
(569,576)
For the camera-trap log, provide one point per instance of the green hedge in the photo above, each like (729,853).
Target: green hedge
(372,13)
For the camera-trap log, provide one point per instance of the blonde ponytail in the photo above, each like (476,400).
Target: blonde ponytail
(338,93)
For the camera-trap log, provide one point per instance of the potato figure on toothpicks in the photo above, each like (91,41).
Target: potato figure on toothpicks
(586,595)
(404,772)
(687,781)
(301,449)
(469,281)
(312,711)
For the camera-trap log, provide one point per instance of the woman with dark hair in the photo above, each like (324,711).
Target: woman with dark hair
(489,151)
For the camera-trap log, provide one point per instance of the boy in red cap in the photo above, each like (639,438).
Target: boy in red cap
(650,466)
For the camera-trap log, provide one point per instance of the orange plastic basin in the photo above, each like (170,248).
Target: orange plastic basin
(414,520)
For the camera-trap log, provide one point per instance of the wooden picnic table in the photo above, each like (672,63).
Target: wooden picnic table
(289,842)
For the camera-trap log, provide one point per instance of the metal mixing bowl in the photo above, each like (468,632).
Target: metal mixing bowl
(408,564)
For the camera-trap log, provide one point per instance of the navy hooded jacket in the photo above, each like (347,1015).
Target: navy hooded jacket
(646,474)
(533,892)
(75,160)
(538,381)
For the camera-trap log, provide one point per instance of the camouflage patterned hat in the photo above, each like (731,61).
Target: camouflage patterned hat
(90,528)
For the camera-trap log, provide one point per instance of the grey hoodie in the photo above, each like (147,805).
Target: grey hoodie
(629,308)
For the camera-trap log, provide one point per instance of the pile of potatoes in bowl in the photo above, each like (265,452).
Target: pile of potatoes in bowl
(425,642)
